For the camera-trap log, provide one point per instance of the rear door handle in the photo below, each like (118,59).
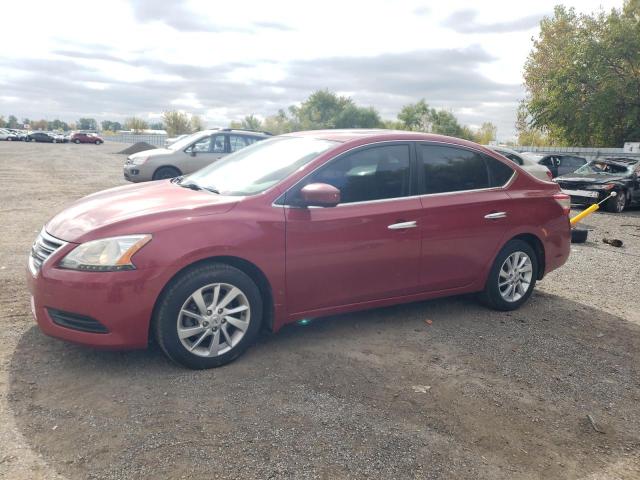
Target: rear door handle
(402,225)
(495,215)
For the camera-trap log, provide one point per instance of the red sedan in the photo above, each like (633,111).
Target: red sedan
(301,225)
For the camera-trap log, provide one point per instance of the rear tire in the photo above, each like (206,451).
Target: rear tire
(512,277)
(164,173)
(618,203)
(98,142)
(77,142)
(221,331)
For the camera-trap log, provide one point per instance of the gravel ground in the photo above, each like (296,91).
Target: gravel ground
(377,394)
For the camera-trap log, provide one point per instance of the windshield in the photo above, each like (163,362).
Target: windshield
(185,141)
(598,166)
(260,166)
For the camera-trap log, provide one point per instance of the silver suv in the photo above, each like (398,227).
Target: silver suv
(188,154)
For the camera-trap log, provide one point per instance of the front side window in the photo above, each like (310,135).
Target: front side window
(375,173)
(202,146)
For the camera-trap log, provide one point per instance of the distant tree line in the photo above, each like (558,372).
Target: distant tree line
(325,109)
(322,109)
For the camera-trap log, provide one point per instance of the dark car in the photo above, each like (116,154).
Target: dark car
(296,226)
(81,137)
(558,164)
(41,137)
(597,179)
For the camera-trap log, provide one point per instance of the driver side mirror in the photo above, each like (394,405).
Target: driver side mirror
(320,195)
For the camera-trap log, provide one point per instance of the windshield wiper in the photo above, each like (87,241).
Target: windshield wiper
(211,189)
(192,186)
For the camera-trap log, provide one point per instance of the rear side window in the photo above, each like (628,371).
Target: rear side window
(236,142)
(374,173)
(499,173)
(449,169)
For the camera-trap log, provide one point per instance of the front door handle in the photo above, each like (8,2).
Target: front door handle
(402,225)
(495,215)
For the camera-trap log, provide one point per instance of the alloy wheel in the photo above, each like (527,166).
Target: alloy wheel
(514,278)
(213,319)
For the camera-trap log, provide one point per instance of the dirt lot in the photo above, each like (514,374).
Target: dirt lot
(378,394)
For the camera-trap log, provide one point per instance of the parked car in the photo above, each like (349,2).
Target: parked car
(19,135)
(558,164)
(40,137)
(188,154)
(527,164)
(596,180)
(300,225)
(6,135)
(81,137)
(60,137)
(172,140)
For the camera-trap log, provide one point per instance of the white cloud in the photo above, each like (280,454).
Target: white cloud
(223,60)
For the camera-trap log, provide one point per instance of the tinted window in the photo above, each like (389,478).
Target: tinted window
(574,162)
(499,173)
(451,169)
(372,174)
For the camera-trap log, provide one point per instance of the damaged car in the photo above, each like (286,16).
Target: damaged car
(596,180)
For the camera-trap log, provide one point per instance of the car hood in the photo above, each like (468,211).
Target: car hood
(591,178)
(139,208)
(155,152)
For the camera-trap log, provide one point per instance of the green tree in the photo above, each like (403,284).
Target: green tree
(135,124)
(278,123)
(250,122)
(156,126)
(325,109)
(2,122)
(110,126)
(12,122)
(420,117)
(39,125)
(196,123)
(87,124)
(176,123)
(57,125)
(486,134)
(583,77)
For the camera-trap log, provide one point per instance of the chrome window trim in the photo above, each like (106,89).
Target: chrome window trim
(508,183)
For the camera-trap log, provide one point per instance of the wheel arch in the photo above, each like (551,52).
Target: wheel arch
(247,267)
(538,247)
(166,166)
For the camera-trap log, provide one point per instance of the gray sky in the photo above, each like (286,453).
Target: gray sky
(224,60)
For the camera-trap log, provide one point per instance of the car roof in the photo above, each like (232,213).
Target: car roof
(379,135)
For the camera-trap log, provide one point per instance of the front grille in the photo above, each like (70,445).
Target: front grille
(42,249)
(76,321)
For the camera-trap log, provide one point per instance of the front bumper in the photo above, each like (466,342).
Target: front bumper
(133,173)
(122,302)
(584,197)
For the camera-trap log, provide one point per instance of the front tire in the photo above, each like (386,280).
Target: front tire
(98,142)
(77,142)
(618,203)
(512,277)
(208,316)
(165,173)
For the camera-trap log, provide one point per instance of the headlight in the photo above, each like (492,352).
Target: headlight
(139,160)
(105,255)
(607,186)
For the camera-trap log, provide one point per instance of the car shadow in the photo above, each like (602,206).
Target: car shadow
(444,387)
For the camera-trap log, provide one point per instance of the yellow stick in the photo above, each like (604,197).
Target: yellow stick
(584,213)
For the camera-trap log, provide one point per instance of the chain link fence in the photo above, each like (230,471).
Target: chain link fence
(156,140)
